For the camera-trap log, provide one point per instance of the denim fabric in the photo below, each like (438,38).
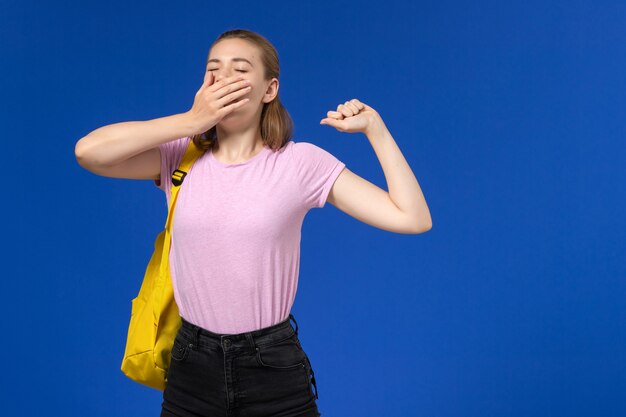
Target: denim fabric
(260,373)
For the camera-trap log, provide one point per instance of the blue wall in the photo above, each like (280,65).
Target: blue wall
(511,114)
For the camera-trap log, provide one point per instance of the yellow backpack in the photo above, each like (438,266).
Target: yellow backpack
(154,317)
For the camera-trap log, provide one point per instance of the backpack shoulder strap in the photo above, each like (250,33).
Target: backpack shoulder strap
(178,176)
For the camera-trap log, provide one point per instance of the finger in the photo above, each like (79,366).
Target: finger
(237,93)
(334,115)
(352,106)
(359,105)
(205,83)
(345,110)
(219,83)
(337,124)
(234,105)
(232,91)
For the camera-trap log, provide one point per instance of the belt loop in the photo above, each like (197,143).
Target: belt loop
(251,341)
(294,320)
(196,333)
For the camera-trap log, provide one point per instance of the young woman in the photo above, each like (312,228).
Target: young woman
(235,248)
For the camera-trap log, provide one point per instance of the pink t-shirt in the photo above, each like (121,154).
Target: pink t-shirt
(235,251)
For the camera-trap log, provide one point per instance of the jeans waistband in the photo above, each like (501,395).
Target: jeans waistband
(199,336)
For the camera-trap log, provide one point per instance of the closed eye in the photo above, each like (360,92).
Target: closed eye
(235,70)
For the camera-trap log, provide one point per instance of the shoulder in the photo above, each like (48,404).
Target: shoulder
(304,147)
(307,151)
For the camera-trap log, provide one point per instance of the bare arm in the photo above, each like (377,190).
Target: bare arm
(131,149)
(403,208)
(113,144)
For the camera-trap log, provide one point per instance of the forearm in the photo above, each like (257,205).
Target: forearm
(115,143)
(403,188)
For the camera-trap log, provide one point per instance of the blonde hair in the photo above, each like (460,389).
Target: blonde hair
(276,123)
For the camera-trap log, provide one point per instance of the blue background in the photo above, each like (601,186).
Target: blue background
(511,114)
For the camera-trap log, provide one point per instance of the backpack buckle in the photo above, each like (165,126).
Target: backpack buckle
(178,176)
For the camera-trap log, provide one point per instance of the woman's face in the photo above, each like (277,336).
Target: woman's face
(237,57)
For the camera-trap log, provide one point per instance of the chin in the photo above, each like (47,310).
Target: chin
(235,121)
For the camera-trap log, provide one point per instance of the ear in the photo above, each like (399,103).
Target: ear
(272,90)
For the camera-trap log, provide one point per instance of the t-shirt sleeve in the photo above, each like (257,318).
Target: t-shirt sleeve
(316,171)
(171,154)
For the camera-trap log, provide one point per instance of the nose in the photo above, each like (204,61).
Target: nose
(222,76)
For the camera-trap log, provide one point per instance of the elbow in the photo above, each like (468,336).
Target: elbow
(79,152)
(84,156)
(83,159)
(421,227)
(81,149)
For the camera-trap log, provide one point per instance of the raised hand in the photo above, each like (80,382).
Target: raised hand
(352,116)
(216,99)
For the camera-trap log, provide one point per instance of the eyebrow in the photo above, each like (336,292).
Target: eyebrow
(234,60)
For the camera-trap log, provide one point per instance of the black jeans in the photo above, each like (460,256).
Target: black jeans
(260,373)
